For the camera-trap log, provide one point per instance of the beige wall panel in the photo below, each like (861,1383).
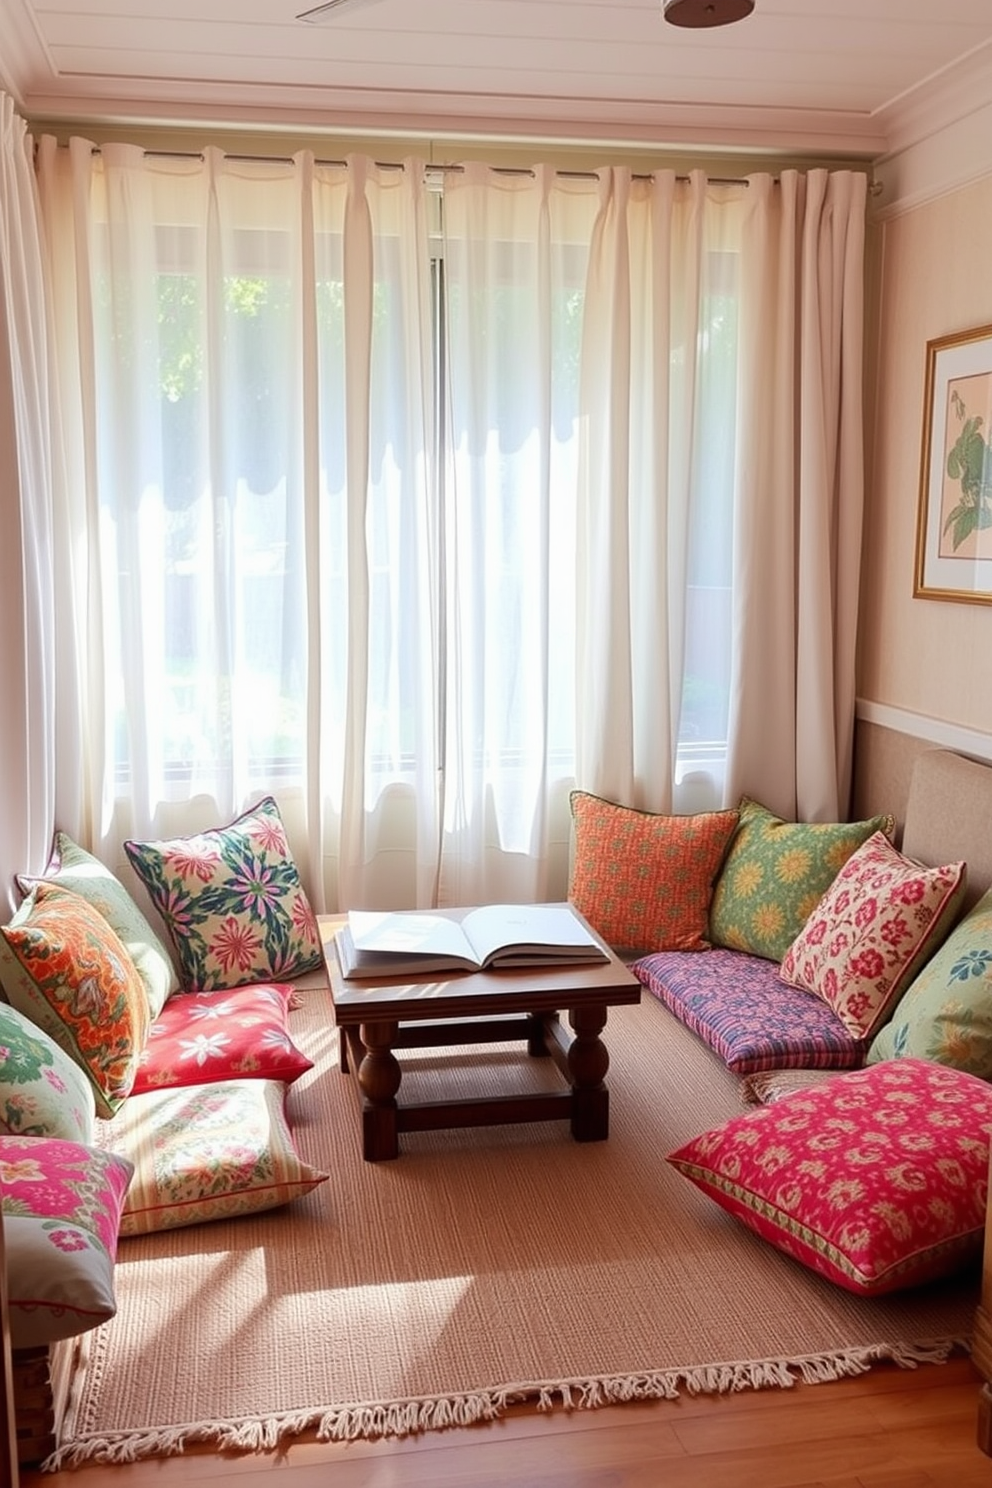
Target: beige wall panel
(932,657)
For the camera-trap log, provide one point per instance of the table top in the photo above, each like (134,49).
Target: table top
(467,994)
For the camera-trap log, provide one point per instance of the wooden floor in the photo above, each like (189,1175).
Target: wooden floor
(889,1428)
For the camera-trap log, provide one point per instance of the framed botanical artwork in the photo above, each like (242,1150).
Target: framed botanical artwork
(954,522)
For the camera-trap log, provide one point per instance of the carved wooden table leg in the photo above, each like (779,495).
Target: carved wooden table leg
(379,1076)
(537,1033)
(588,1061)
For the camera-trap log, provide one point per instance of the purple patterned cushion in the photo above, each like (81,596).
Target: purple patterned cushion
(739,1006)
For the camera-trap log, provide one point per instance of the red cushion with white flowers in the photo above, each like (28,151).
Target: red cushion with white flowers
(200,1037)
(881,919)
(877,1179)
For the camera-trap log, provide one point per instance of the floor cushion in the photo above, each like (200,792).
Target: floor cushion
(232,901)
(78,870)
(876,1179)
(880,921)
(205,1036)
(740,1007)
(61,1203)
(775,874)
(65,967)
(945,1014)
(206,1152)
(43,1093)
(644,880)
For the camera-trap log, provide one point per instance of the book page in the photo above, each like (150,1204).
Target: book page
(540,927)
(407,933)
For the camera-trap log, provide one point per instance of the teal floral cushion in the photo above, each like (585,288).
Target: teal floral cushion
(43,1093)
(73,868)
(232,902)
(946,1013)
(775,874)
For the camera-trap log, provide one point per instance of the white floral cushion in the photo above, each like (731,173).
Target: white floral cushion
(232,901)
(881,919)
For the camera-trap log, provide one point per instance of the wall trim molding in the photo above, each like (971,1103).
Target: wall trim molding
(920,726)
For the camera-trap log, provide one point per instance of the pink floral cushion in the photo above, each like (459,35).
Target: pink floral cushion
(204,1036)
(207,1152)
(61,1204)
(877,1179)
(881,919)
(232,901)
(66,969)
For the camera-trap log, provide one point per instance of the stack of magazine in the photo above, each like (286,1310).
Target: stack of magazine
(412,942)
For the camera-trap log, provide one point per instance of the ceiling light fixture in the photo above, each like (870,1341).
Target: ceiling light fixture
(706,12)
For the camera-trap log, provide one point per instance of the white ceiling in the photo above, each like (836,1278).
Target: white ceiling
(821,76)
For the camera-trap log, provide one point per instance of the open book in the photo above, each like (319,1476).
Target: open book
(410,942)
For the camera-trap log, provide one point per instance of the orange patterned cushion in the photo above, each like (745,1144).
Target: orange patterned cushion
(877,1179)
(643,880)
(65,968)
(881,919)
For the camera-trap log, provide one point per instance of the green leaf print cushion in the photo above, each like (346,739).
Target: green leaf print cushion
(775,875)
(43,1093)
(946,1013)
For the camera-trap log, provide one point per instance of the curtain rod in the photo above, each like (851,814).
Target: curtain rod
(502,170)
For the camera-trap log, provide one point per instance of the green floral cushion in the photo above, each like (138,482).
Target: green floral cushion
(43,1093)
(775,875)
(79,871)
(232,902)
(946,1013)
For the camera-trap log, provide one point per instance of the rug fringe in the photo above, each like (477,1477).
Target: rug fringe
(410,1417)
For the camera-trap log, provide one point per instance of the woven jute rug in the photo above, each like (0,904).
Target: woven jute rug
(480,1268)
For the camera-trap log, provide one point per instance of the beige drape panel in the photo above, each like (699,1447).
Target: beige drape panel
(800,493)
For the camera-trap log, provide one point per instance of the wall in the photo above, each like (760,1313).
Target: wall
(924,665)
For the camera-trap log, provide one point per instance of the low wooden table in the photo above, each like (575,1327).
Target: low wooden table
(427,1012)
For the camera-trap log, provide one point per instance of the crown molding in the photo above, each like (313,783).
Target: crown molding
(939,137)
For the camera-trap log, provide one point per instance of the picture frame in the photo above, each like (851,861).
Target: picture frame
(954,519)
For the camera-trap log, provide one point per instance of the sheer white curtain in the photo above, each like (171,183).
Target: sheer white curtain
(414,504)
(800,493)
(29,471)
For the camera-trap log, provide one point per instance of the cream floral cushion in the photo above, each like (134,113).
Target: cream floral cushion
(880,920)
(232,901)
(208,1152)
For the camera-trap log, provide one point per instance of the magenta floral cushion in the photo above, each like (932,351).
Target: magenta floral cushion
(204,1036)
(232,901)
(66,969)
(739,1005)
(61,1204)
(877,1179)
(881,919)
(208,1152)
